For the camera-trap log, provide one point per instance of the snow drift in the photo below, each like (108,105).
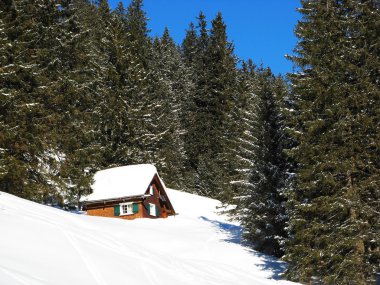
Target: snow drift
(40,245)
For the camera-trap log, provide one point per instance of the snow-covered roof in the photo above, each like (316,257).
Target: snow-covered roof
(131,180)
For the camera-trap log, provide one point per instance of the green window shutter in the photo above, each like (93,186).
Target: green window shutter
(157,211)
(116,210)
(148,209)
(135,208)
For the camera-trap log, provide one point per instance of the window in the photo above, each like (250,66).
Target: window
(152,209)
(151,191)
(128,208)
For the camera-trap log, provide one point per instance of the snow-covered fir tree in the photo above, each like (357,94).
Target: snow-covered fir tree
(261,164)
(75,92)
(213,64)
(111,40)
(334,216)
(23,115)
(170,89)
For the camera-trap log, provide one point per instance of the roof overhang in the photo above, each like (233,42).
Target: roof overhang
(116,200)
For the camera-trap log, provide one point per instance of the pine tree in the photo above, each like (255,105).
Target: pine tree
(222,84)
(74,90)
(125,102)
(334,221)
(261,165)
(190,45)
(138,85)
(24,141)
(194,49)
(202,132)
(213,64)
(113,106)
(170,91)
(189,55)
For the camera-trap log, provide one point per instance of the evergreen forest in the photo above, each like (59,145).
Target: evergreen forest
(84,87)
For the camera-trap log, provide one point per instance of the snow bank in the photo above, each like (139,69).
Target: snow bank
(40,245)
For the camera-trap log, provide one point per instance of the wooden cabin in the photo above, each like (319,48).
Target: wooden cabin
(129,192)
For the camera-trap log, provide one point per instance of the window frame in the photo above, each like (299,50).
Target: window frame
(129,206)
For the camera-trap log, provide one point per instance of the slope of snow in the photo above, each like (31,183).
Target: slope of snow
(122,181)
(40,245)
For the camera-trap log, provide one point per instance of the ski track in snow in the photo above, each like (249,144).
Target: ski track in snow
(193,247)
(20,277)
(93,272)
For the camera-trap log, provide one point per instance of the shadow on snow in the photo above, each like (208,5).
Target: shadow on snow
(234,235)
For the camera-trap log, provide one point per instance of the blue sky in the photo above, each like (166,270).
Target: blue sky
(260,29)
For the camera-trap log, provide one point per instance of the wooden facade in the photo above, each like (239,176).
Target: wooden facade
(153,203)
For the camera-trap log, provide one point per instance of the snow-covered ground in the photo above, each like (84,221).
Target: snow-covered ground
(40,245)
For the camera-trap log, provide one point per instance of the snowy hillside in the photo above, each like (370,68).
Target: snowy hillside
(40,245)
